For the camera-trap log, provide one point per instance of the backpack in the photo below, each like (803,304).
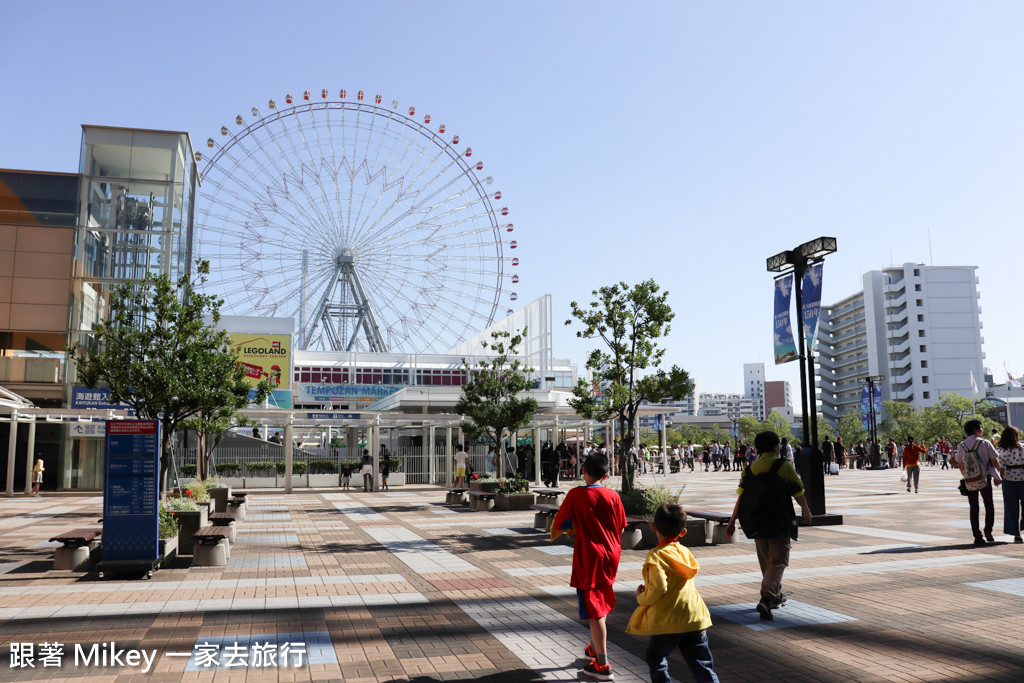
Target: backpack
(974,473)
(766,507)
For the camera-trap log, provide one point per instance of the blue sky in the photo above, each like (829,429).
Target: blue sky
(675,140)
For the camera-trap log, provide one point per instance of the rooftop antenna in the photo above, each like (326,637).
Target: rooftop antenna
(931,259)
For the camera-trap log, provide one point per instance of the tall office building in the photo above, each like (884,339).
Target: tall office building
(754,387)
(917,326)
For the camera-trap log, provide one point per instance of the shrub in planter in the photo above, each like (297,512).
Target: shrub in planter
(260,468)
(393,463)
(198,491)
(513,485)
(322,467)
(228,469)
(298,467)
(187,471)
(653,498)
(168,524)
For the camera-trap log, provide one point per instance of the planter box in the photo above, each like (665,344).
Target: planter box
(396,479)
(486,486)
(168,551)
(513,501)
(260,482)
(189,523)
(298,481)
(321,481)
(219,497)
(232,482)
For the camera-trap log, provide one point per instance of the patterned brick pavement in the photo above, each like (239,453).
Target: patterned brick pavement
(397,586)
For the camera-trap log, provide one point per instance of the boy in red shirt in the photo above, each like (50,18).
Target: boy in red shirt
(596,515)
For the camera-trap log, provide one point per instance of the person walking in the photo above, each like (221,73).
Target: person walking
(974,456)
(1011,461)
(37,476)
(367,471)
(840,451)
(765,512)
(912,453)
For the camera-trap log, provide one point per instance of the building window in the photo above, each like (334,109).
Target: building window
(920,318)
(924,379)
(920,302)
(920,333)
(924,364)
(926,394)
(917,272)
(923,348)
(917,288)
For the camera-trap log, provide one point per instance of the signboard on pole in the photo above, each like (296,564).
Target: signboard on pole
(785,347)
(131,491)
(811,300)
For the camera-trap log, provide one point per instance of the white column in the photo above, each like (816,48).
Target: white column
(375,429)
(448,455)
(289,445)
(536,455)
(12,447)
(429,449)
(29,462)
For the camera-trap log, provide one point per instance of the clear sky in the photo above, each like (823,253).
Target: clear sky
(680,141)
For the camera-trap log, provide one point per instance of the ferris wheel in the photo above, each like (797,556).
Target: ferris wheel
(370,227)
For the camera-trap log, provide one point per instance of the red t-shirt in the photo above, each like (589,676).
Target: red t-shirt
(912,454)
(598,517)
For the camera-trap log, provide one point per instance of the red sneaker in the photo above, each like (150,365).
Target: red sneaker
(599,672)
(589,650)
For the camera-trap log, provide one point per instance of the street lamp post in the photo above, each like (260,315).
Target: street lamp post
(876,451)
(810,461)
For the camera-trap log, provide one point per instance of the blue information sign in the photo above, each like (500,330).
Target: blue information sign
(332,416)
(131,516)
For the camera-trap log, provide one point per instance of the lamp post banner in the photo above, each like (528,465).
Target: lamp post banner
(811,302)
(865,407)
(785,347)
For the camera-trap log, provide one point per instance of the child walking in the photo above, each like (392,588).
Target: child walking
(595,514)
(671,610)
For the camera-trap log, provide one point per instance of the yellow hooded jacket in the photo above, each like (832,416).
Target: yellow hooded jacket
(670,602)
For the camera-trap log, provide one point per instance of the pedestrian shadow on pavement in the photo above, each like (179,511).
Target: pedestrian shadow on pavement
(513,676)
(932,548)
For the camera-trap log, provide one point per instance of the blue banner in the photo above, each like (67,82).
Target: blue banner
(877,400)
(865,407)
(785,347)
(811,300)
(131,490)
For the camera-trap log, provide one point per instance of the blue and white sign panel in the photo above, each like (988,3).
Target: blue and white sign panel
(131,490)
(84,397)
(333,416)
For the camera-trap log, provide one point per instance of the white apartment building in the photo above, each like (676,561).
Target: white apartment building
(754,387)
(917,326)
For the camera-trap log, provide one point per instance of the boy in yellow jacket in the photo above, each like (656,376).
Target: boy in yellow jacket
(671,611)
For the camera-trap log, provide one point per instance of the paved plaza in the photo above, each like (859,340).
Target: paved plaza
(397,586)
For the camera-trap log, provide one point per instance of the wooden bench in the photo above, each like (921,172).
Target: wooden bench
(481,501)
(211,547)
(226,521)
(544,516)
(76,546)
(456,497)
(549,496)
(716,525)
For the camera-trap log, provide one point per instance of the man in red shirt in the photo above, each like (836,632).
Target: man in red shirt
(912,453)
(596,515)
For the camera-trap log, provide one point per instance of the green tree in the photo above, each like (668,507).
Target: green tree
(778,424)
(629,321)
(491,399)
(851,429)
(899,421)
(157,353)
(749,427)
(219,407)
(946,418)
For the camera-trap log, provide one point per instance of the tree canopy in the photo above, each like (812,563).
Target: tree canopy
(629,322)
(491,399)
(160,353)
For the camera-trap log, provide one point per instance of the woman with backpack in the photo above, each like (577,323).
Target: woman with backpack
(974,456)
